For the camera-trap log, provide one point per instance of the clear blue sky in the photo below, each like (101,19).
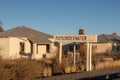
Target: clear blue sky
(62,16)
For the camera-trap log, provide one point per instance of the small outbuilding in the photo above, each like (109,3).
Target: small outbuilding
(107,43)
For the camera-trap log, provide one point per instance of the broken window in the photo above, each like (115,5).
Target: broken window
(22,46)
(48,48)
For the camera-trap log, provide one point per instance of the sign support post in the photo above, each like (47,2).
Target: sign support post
(90,56)
(60,52)
(87,57)
(74,54)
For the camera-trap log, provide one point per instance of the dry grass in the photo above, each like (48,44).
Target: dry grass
(47,71)
(66,66)
(102,61)
(24,69)
(107,64)
(20,69)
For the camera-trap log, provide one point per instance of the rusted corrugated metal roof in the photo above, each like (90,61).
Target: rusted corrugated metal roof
(33,35)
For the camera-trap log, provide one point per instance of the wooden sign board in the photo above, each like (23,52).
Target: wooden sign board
(75,38)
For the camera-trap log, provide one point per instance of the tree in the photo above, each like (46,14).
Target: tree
(1,29)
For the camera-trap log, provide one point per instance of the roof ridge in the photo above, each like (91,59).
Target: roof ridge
(35,30)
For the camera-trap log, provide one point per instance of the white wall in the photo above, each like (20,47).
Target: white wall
(15,47)
(10,48)
(40,50)
(53,48)
(4,48)
(102,47)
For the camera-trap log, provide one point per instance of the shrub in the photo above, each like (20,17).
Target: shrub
(26,70)
(5,70)
(19,69)
(57,67)
(107,64)
(5,73)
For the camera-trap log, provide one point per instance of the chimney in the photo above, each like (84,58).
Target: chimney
(114,34)
(81,31)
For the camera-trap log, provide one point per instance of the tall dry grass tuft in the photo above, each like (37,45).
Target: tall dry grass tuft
(107,64)
(57,67)
(66,66)
(47,69)
(73,68)
(26,69)
(5,70)
(20,69)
